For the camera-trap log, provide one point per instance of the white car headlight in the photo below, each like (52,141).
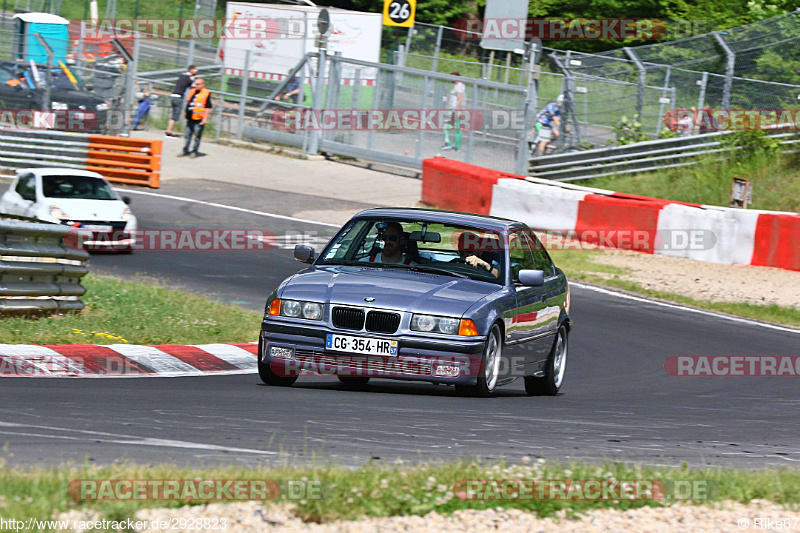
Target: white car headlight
(59,106)
(102,107)
(127,214)
(435,324)
(295,309)
(56,212)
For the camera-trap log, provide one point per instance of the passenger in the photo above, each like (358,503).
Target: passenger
(394,244)
(469,248)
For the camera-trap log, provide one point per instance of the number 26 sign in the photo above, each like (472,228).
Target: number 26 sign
(399,12)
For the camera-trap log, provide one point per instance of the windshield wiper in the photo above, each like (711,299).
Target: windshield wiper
(435,270)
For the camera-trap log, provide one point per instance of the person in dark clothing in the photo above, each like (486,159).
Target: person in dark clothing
(198,109)
(292,91)
(185,81)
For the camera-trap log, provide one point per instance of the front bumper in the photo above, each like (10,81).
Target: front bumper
(419,358)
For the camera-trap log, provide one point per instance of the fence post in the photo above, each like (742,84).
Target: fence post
(375,104)
(243,94)
(437,48)
(49,73)
(220,107)
(316,105)
(729,68)
(642,80)
(701,100)
(79,58)
(523,152)
(659,120)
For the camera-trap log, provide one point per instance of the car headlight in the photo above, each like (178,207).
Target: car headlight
(296,309)
(59,106)
(56,212)
(127,214)
(443,324)
(102,107)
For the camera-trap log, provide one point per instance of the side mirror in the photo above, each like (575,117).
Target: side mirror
(304,254)
(531,278)
(127,200)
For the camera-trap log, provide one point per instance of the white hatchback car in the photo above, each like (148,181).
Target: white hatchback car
(76,198)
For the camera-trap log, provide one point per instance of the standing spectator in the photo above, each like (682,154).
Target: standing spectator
(548,125)
(455,103)
(185,81)
(686,122)
(198,109)
(292,90)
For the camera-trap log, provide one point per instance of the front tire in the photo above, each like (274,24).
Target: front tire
(556,366)
(271,378)
(490,367)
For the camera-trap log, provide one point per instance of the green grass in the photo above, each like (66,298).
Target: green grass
(376,491)
(136,313)
(581,265)
(776,182)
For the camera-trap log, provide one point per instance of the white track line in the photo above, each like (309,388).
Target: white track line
(241,209)
(589,287)
(683,308)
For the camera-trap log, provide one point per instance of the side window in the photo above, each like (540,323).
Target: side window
(540,257)
(26,186)
(520,254)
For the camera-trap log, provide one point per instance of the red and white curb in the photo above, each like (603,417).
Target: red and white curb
(614,219)
(127,360)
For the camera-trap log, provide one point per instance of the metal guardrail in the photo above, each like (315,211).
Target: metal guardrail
(119,159)
(640,157)
(38,272)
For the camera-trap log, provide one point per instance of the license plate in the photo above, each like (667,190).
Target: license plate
(365,345)
(94,227)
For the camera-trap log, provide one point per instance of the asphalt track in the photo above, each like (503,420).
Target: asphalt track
(617,401)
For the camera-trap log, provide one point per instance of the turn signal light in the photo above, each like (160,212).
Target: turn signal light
(275,307)
(467,328)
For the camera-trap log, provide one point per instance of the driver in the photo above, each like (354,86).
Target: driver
(469,250)
(394,242)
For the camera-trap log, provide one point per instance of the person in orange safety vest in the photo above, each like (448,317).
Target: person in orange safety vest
(198,109)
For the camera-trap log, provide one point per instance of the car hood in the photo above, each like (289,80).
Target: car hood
(391,288)
(82,209)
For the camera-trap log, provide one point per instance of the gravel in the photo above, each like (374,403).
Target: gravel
(253,517)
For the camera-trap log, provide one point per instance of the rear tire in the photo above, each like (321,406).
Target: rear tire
(556,366)
(354,381)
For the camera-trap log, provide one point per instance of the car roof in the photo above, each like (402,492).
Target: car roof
(59,172)
(442,216)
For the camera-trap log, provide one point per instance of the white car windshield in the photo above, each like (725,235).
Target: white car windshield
(83,187)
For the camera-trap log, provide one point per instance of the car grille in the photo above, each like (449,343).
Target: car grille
(382,322)
(365,364)
(346,318)
(116,225)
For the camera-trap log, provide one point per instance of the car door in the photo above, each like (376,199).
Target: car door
(527,330)
(554,290)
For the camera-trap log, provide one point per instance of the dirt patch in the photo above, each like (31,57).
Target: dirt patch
(707,281)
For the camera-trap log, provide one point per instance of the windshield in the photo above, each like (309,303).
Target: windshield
(424,246)
(77,187)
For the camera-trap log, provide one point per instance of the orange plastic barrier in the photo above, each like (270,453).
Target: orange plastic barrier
(125,160)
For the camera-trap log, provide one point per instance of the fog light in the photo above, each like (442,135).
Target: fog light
(278,352)
(449,371)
